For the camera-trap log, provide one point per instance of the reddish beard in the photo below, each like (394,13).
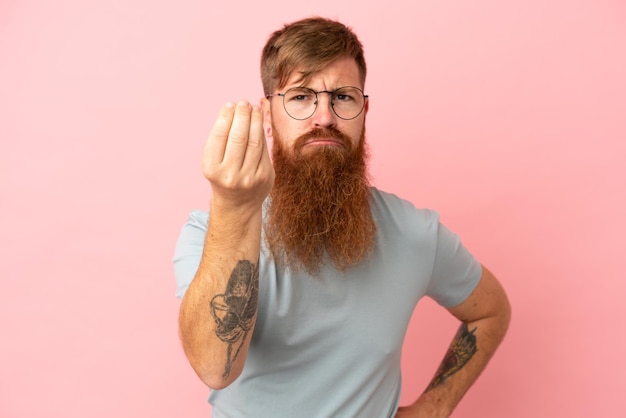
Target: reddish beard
(320,203)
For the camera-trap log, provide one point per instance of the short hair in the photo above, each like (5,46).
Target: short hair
(307,46)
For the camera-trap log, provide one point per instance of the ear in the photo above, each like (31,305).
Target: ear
(267,118)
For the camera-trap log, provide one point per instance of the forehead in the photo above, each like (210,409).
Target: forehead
(339,73)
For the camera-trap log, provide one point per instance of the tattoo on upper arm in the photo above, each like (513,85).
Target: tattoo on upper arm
(462,349)
(235,310)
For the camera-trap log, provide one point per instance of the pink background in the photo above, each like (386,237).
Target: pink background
(506,116)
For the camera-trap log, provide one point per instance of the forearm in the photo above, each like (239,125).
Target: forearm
(218,311)
(469,352)
(484,317)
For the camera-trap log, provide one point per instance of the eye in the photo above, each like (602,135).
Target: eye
(343,97)
(300,95)
(347,95)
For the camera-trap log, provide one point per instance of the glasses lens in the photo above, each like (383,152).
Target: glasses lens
(300,102)
(348,102)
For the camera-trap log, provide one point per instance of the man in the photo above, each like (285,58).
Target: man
(299,288)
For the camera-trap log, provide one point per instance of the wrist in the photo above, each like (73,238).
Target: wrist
(432,406)
(240,213)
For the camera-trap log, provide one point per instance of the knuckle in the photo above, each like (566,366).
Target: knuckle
(237,138)
(255,142)
(229,181)
(208,171)
(220,128)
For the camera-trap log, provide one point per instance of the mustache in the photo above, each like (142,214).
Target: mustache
(329,132)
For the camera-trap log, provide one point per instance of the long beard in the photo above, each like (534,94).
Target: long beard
(320,204)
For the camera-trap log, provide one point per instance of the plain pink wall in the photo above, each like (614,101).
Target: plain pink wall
(507,117)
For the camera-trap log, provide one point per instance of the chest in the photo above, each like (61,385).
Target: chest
(363,312)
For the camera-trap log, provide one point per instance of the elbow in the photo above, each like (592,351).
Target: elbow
(215,382)
(215,378)
(505,313)
(501,320)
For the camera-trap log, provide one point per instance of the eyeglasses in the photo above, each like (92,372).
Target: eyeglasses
(301,102)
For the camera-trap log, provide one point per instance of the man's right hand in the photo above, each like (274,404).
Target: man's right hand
(236,160)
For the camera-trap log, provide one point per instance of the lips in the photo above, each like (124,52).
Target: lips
(324,141)
(319,137)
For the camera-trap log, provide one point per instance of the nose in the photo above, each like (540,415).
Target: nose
(324,115)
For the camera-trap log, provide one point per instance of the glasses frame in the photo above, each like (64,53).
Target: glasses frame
(332,103)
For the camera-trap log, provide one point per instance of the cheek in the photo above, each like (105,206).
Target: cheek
(288,133)
(282,135)
(355,133)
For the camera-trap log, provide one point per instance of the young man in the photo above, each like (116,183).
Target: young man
(300,284)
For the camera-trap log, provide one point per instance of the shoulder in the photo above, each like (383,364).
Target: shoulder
(389,208)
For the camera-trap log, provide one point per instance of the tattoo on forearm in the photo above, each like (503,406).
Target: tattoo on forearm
(235,310)
(462,349)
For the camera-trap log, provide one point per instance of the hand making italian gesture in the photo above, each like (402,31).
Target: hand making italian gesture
(236,159)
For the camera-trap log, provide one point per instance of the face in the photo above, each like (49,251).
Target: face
(340,73)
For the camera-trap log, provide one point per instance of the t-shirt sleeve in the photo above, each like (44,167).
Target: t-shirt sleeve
(188,250)
(455,273)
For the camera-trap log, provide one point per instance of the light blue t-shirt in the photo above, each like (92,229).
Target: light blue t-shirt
(330,345)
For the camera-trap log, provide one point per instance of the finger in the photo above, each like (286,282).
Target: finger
(265,167)
(216,143)
(256,140)
(238,136)
(265,164)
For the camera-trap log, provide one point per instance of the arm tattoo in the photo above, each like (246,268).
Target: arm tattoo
(461,350)
(235,310)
